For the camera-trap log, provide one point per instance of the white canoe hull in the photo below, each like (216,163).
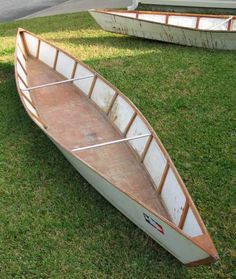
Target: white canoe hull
(178,245)
(165,33)
(181,231)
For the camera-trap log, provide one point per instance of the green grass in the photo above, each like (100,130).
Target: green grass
(53,224)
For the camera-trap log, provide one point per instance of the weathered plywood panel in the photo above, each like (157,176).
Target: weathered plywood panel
(173,197)
(191,226)
(65,64)
(85,84)
(102,94)
(121,113)
(155,162)
(32,44)
(47,54)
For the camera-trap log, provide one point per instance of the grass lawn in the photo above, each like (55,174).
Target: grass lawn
(53,224)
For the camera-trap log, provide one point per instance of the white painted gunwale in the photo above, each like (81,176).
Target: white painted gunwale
(112,12)
(181,184)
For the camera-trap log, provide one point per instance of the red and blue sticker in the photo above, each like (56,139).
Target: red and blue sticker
(153,223)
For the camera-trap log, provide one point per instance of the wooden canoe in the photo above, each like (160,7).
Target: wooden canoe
(106,138)
(198,30)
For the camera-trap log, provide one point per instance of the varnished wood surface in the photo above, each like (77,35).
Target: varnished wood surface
(75,121)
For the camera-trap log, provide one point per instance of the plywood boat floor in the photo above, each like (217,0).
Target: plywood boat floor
(76,122)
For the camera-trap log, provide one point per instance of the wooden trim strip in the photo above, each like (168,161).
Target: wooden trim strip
(112,102)
(22,52)
(38,48)
(167,19)
(55,60)
(92,86)
(230,24)
(184,215)
(39,119)
(146,148)
(30,101)
(197,22)
(22,80)
(74,69)
(163,178)
(18,60)
(130,123)
(24,42)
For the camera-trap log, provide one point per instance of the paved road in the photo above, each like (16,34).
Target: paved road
(72,6)
(13,9)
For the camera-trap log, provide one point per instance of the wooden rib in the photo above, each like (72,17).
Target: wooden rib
(18,60)
(92,86)
(30,101)
(130,123)
(230,25)
(163,178)
(22,80)
(167,19)
(22,52)
(197,22)
(137,14)
(38,47)
(112,102)
(39,119)
(184,215)
(74,69)
(55,60)
(24,43)
(146,148)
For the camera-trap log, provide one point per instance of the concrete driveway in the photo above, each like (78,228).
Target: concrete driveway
(14,9)
(17,9)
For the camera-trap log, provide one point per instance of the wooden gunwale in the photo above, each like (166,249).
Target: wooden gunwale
(188,197)
(110,12)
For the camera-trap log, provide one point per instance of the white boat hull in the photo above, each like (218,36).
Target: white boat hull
(178,245)
(165,33)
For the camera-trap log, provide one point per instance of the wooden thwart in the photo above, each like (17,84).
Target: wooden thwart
(55,83)
(110,142)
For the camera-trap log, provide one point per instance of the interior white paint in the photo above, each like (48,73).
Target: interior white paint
(173,197)
(21,72)
(26,93)
(32,44)
(138,127)
(234,24)
(30,108)
(47,54)
(121,113)
(132,15)
(185,21)
(155,18)
(21,57)
(102,94)
(155,162)
(208,23)
(191,226)
(85,84)
(65,65)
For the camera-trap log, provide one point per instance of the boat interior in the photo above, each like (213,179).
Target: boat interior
(80,109)
(193,21)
